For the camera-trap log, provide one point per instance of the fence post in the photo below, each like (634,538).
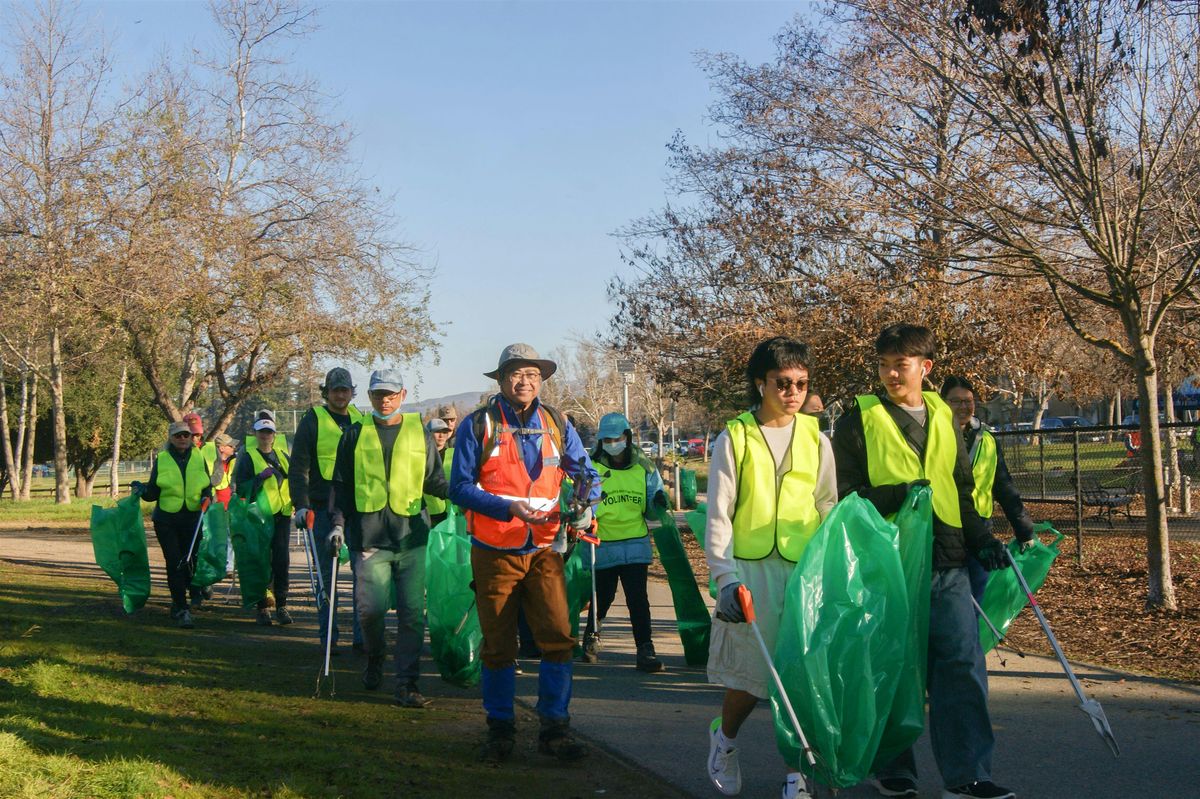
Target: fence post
(1078,499)
(1042,461)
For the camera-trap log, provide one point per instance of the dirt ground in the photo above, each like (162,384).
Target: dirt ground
(1098,613)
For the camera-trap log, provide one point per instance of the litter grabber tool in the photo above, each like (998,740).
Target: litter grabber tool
(195,534)
(1089,706)
(323,676)
(999,636)
(747,603)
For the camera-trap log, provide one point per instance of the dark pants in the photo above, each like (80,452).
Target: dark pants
(280,560)
(384,574)
(174,533)
(505,582)
(633,583)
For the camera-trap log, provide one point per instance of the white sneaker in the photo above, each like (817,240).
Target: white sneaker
(723,770)
(794,788)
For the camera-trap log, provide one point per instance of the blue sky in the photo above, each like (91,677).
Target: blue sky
(516,137)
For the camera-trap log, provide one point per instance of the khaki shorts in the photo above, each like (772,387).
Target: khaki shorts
(734,658)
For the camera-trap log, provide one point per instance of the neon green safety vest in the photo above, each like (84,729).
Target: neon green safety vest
(436,505)
(400,488)
(252,441)
(619,516)
(771,514)
(891,460)
(174,487)
(984,468)
(328,436)
(279,494)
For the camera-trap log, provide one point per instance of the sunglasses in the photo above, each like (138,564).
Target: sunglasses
(181,435)
(785,384)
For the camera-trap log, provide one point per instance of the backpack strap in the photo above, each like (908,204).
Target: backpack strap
(487,423)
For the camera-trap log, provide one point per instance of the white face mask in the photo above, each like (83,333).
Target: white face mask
(614,448)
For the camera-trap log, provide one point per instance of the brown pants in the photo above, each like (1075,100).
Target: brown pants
(504,582)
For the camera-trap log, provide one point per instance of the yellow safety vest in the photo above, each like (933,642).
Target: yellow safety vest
(279,493)
(175,487)
(400,487)
(328,436)
(619,516)
(891,460)
(251,442)
(770,514)
(983,467)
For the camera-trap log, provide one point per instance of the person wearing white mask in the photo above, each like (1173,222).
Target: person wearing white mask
(632,487)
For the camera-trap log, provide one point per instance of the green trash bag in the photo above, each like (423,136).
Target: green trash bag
(914,521)
(213,547)
(119,541)
(251,527)
(1003,598)
(842,641)
(691,614)
(455,636)
(687,487)
(696,521)
(577,573)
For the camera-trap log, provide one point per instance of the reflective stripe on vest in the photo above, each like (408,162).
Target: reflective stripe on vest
(771,514)
(504,475)
(619,516)
(891,460)
(984,468)
(399,487)
(329,433)
(174,488)
(279,494)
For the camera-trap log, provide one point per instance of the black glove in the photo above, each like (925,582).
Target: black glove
(137,488)
(992,556)
(660,500)
(728,607)
(918,484)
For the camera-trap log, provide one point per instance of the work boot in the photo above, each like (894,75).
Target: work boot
(647,660)
(501,738)
(264,617)
(558,741)
(591,648)
(373,675)
(409,696)
(282,616)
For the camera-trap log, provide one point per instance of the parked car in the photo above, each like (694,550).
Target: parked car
(649,448)
(695,446)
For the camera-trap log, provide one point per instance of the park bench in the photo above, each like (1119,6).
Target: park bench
(1111,496)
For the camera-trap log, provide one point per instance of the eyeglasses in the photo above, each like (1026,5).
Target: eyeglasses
(785,384)
(961,403)
(529,375)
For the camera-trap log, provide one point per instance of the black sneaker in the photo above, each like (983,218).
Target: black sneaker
(558,741)
(501,738)
(373,675)
(184,620)
(983,789)
(591,648)
(647,659)
(409,696)
(282,616)
(896,786)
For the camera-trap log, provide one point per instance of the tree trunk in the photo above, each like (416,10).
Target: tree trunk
(1172,458)
(62,493)
(30,437)
(1161,592)
(83,482)
(22,474)
(10,463)
(114,478)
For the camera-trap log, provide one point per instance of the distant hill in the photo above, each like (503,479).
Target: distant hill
(465,402)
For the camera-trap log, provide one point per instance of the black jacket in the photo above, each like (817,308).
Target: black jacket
(309,489)
(950,543)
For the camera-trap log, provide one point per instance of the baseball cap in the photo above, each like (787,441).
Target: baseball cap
(386,380)
(437,426)
(194,422)
(178,427)
(264,424)
(337,377)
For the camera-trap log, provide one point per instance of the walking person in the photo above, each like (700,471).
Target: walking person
(770,482)
(887,443)
(264,467)
(509,464)
(385,464)
(218,456)
(314,451)
(179,483)
(632,490)
(440,432)
(993,483)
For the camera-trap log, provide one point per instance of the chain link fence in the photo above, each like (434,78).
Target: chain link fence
(1089,479)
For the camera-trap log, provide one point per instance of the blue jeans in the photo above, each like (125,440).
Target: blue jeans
(322,526)
(383,574)
(960,728)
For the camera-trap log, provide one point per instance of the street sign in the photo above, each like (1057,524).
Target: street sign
(626,367)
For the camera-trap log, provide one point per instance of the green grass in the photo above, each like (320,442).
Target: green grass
(41,510)
(99,705)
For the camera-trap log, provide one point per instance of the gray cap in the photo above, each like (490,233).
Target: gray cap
(386,380)
(522,353)
(337,377)
(264,413)
(437,426)
(178,427)
(224,440)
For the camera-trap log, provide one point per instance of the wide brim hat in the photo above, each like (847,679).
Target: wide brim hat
(522,353)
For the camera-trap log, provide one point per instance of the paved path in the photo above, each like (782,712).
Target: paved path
(1045,746)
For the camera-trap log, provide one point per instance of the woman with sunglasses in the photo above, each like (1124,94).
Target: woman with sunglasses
(770,482)
(179,483)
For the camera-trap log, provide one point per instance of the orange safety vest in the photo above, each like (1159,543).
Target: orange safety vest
(504,474)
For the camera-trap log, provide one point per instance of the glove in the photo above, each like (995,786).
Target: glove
(300,518)
(137,488)
(992,556)
(337,537)
(660,500)
(583,521)
(728,607)
(918,484)
(266,473)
